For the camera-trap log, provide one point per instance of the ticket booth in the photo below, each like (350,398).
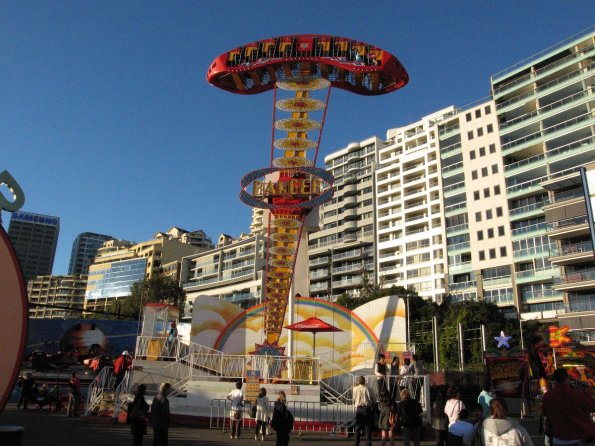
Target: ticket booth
(156,324)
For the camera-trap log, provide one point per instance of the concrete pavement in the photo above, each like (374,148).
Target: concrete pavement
(50,428)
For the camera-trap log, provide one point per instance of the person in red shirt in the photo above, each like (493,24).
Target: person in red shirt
(568,412)
(121,365)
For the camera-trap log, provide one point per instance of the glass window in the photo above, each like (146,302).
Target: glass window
(478,216)
(482,255)
(468,117)
(494,168)
(499,211)
(484,171)
(479,132)
(478,113)
(476,195)
(490,128)
(488,214)
(479,235)
(486,192)
(492,148)
(470,135)
(482,151)
(492,253)
(472,154)
(497,190)
(500,231)
(474,174)
(503,251)
(490,232)
(487,110)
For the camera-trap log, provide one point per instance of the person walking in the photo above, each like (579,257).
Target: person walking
(282,420)
(236,396)
(363,412)
(262,414)
(568,412)
(387,418)
(138,416)
(160,415)
(454,405)
(439,418)
(498,429)
(74,396)
(409,412)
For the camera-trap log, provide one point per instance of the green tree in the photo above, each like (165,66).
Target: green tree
(157,289)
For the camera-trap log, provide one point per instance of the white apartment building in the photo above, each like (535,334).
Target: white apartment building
(410,243)
(342,252)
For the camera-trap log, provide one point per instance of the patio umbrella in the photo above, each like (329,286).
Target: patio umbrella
(313,325)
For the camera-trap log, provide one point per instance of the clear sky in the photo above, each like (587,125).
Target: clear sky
(107,121)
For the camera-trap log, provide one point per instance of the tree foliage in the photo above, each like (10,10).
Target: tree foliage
(157,289)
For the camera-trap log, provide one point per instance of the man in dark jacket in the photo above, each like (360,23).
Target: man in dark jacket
(160,415)
(568,411)
(409,415)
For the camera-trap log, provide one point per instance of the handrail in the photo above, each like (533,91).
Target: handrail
(104,380)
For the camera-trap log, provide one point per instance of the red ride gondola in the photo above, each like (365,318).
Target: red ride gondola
(348,64)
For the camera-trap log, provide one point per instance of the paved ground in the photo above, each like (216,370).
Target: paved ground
(49,429)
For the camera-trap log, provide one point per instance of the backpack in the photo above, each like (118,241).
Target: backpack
(288,419)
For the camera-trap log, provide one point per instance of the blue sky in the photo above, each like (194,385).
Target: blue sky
(107,121)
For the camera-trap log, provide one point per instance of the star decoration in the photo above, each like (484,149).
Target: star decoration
(558,337)
(503,340)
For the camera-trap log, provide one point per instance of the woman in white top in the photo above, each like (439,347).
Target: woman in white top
(454,405)
(262,414)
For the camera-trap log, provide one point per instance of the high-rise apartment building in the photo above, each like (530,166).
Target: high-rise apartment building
(411,238)
(84,250)
(343,250)
(233,271)
(56,297)
(34,238)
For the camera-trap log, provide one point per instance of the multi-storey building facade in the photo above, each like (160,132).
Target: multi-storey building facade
(56,297)
(34,238)
(343,250)
(410,242)
(84,250)
(233,271)
(119,264)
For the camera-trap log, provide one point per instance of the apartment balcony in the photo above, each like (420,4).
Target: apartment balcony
(576,281)
(529,78)
(319,261)
(571,254)
(350,189)
(537,275)
(455,209)
(565,198)
(458,268)
(350,202)
(347,283)
(501,299)
(320,286)
(458,229)
(527,231)
(351,254)
(568,228)
(451,150)
(462,286)
(541,296)
(458,248)
(532,253)
(453,189)
(525,165)
(526,188)
(446,132)
(350,225)
(499,281)
(563,180)
(349,237)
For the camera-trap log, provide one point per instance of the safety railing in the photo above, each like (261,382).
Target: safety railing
(105,379)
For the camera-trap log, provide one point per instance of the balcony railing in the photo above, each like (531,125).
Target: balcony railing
(578,276)
(567,222)
(529,229)
(524,162)
(567,250)
(528,208)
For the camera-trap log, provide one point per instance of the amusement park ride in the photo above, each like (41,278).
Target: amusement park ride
(292,185)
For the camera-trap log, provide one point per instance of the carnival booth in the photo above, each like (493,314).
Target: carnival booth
(157,323)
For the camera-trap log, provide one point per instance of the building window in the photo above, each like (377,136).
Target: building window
(498,211)
(503,251)
(482,255)
(472,154)
(476,195)
(474,174)
(478,113)
(470,135)
(479,235)
(489,214)
(487,110)
(486,192)
(468,117)
(479,132)
(497,189)
(490,232)
(492,148)
(501,231)
(494,168)
(490,128)
(492,253)
(478,216)
(484,171)
(482,151)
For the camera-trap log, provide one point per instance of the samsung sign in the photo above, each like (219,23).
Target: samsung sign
(35,218)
